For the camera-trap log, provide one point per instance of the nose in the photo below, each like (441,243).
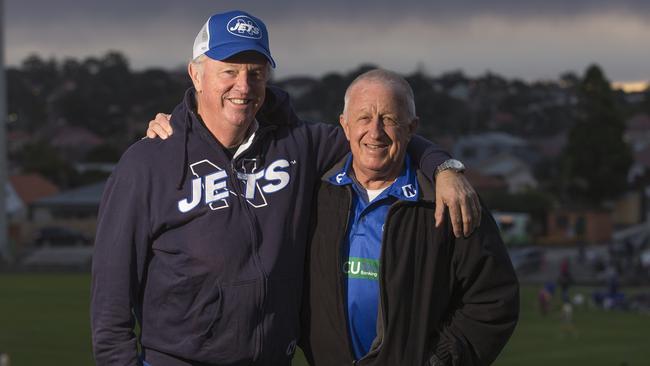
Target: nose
(243,83)
(376,127)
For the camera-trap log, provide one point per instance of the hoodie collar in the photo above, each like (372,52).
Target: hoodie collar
(275,111)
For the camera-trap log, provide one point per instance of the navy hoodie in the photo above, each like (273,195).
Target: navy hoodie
(205,251)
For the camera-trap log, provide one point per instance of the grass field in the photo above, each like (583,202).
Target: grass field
(44,321)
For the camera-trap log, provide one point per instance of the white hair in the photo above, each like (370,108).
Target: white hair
(387,78)
(198,63)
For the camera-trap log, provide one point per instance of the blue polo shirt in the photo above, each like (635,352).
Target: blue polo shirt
(362,250)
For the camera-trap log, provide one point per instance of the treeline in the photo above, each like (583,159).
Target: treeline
(104,96)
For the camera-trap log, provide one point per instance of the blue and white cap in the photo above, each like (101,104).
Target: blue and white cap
(227,34)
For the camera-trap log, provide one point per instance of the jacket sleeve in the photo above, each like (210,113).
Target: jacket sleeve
(426,155)
(486,299)
(118,261)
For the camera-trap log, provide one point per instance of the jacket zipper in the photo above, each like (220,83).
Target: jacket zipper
(339,271)
(382,284)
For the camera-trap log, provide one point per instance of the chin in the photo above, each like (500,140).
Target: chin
(241,120)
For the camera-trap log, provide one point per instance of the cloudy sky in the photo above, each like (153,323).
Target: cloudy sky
(530,39)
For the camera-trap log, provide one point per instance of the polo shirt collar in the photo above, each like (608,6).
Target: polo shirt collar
(404,188)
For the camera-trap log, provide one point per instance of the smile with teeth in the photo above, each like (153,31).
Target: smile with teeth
(239,101)
(375,146)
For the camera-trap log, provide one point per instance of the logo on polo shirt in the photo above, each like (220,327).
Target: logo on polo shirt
(409,191)
(363,268)
(244,26)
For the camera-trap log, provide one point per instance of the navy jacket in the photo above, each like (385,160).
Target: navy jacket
(209,261)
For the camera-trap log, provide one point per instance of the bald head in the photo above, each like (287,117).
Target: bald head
(388,79)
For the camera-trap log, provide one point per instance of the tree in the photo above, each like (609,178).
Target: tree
(39,157)
(596,160)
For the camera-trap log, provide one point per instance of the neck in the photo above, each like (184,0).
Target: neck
(374,182)
(370,179)
(227,137)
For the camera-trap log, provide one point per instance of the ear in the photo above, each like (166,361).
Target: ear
(344,124)
(414,125)
(194,72)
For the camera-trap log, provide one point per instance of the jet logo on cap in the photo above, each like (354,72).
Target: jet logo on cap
(244,26)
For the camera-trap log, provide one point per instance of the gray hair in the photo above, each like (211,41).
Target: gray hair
(198,62)
(388,78)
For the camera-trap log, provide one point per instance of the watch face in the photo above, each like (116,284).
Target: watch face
(456,164)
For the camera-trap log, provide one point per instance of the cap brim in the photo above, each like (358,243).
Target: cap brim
(225,51)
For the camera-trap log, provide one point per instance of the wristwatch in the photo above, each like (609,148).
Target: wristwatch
(452,164)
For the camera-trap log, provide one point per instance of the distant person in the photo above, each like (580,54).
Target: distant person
(565,279)
(544,297)
(568,326)
(384,286)
(201,238)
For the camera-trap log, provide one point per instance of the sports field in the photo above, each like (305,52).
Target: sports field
(44,321)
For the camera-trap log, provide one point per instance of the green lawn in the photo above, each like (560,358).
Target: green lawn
(44,320)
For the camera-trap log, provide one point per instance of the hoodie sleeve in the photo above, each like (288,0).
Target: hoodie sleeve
(426,155)
(328,144)
(487,306)
(118,262)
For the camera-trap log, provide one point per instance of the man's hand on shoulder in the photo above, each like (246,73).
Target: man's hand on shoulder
(454,191)
(160,126)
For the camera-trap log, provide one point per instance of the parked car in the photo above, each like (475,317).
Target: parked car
(527,260)
(60,236)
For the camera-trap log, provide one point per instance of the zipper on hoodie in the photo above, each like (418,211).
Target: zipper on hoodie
(252,220)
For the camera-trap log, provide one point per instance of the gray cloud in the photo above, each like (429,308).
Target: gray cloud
(44,11)
(529,39)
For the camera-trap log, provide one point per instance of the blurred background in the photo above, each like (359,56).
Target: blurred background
(546,102)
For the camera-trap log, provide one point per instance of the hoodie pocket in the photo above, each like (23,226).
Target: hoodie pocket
(231,333)
(282,319)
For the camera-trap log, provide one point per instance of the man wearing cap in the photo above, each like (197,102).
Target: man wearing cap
(383,287)
(201,238)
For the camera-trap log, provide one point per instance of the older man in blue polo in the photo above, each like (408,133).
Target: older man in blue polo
(384,286)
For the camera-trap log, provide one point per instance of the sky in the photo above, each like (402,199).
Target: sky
(530,39)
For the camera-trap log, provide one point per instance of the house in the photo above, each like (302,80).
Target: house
(515,172)
(29,188)
(550,147)
(74,141)
(578,225)
(637,132)
(75,209)
(473,149)
(485,183)
(514,227)
(22,190)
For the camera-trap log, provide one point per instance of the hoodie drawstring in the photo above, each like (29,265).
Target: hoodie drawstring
(185,161)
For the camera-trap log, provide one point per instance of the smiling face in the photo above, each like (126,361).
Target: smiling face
(379,125)
(230,92)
